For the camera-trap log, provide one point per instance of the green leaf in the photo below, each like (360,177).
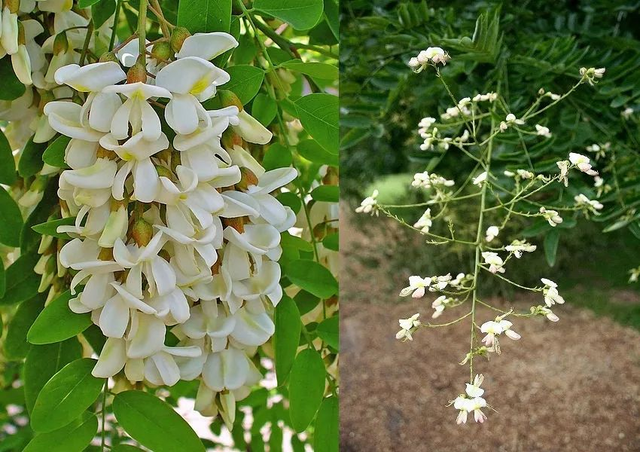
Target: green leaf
(319,116)
(57,322)
(312,151)
(329,331)
(43,362)
(101,11)
(245,81)
(551,246)
(86,3)
(332,242)
(21,281)
(327,431)
(54,154)
(15,344)
(301,14)
(153,423)
(200,16)
(12,88)
(7,162)
(306,388)
(264,109)
(66,396)
(11,223)
(326,193)
(332,13)
(322,71)
(312,277)
(125,448)
(74,437)
(30,239)
(277,156)
(51,227)
(286,338)
(31,158)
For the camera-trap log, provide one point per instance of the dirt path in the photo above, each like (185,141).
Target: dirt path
(569,386)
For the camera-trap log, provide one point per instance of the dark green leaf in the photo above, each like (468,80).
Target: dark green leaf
(264,109)
(86,3)
(306,388)
(101,11)
(12,88)
(301,14)
(66,396)
(319,116)
(332,242)
(3,285)
(201,16)
(43,362)
(54,154)
(277,156)
(31,158)
(15,344)
(7,162)
(326,193)
(245,81)
(327,431)
(329,331)
(51,227)
(21,281)
(74,437)
(149,421)
(551,240)
(317,70)
(312,151)
(312,277)
(57,322)
(11,223)
(286,338)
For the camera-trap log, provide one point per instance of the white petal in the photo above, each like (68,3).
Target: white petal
(112,359)
(207,45)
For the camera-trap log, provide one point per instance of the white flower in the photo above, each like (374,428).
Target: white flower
(524,174)
(550,292)
(426,180)
(511,119)
(548,313)
(592,205)
(582,162)
(479,180)
(492,233)
(369,204)
(627,113)
(434,55)
(424,223)
(407,327)
(473,389)
(417,287)
(635,275)
(563,165)
(543,131)
(472,402)
(493,329)
(439,305)
(517,247)
(552,216)
(494,261)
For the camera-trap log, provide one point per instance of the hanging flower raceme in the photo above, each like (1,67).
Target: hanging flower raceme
(180,233)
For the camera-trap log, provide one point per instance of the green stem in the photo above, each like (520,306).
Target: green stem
(104,414)
(85,46)
(142,31)
(112,41)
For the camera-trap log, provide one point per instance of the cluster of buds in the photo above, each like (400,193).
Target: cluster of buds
(592,75)
(426,180)
(369,204)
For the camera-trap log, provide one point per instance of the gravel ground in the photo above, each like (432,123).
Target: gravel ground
(569,386)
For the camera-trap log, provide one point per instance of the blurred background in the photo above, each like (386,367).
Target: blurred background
(567,386)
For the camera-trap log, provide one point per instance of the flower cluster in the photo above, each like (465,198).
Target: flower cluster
(175,227)
(426,180)
(431,56)
(369,204)
(471,402)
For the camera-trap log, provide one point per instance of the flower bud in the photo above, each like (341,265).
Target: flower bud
(142,232)
(177,38)
(116,226)
(137,72)
(229,98)
(108,57)
(60,44)
(161,50)
(231,139)
(247,178)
